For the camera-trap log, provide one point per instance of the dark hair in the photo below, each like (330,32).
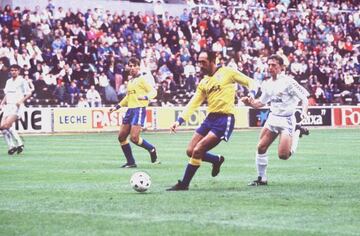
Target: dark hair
(15,66)
(277,58)
(135,61)
(211,55)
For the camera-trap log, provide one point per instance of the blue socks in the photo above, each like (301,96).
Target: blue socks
(190,170)
(144,144)
(128,153)
(189,174)
(213,159)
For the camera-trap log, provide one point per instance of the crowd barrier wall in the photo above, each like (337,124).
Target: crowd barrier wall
(317,116)
(34,120)
(62,120)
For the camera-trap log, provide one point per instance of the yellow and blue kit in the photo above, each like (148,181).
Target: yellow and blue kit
(219,92)
(137,87)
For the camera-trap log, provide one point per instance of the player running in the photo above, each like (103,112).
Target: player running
(17,91)
(283,93)
(139,92)
(217,88)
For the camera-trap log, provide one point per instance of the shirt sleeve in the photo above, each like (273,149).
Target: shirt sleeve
(151,91)
(26,88)
(124,101)
(194,103)
(265,97)
(244,80)
(296,89)
(6,88)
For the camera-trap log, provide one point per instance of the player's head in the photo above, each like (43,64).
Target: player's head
(14,70)
(207,61)
(134,66)
(276,64)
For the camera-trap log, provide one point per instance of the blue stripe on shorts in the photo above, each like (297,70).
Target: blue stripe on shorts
(221,125)
(135,116)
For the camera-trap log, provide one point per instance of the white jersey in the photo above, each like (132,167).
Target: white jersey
(284,94)
(16,89)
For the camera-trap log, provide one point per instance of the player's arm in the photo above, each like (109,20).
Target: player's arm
(302,94)
(257,103)
(22,100)
(151,91)
(3,101)
(246,81)
(27,93)
(193,104)
(254,103)
(122,103)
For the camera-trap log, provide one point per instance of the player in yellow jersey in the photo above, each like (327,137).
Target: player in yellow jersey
(139,92)
(217,88)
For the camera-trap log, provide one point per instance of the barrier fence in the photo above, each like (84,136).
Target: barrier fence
(58,120)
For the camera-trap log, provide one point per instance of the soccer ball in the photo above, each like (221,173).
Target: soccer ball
(140,181)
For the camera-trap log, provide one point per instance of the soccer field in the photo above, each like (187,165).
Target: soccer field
(72,185)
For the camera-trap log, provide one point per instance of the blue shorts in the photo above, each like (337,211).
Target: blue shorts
(221,125)
(135,116)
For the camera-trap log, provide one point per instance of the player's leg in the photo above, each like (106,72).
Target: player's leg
(208,157)
(284,148)
(139,141)
(201,132)
(19,143)
(299,132)
(299,129)
(16,137)
(196,138)
(5,126)
(222,127)
(125,145)
(199,151)
(267,137)
(138,122)
(289,139)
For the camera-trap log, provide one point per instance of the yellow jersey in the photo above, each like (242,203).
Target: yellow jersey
(138,87)
(219,92)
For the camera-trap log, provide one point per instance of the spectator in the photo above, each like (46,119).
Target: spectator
(318,49)
(60,93)
(74,93)
(93,97)
(83,103)
(189,73)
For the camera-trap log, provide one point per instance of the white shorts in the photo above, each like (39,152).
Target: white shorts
(12,109)
(281,124)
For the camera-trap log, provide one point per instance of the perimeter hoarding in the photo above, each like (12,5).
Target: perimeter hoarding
(346,116)
(34,120)
(319,116)
(91,119)
(166,116)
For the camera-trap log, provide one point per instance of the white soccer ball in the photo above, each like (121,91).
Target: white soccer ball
(140,181)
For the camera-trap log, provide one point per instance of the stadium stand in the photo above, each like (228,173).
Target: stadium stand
(64,51)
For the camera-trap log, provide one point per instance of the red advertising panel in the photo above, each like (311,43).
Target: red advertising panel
(346,116)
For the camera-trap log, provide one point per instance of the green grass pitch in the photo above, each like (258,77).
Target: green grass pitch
(72,185)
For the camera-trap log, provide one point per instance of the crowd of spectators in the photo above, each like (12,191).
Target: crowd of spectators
(71,55)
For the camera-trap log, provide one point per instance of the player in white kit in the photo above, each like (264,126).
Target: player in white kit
(283,93)
(16,91)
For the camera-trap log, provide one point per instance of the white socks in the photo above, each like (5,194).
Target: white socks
(16,136)
(261,165)
(8,138)
(295,141)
